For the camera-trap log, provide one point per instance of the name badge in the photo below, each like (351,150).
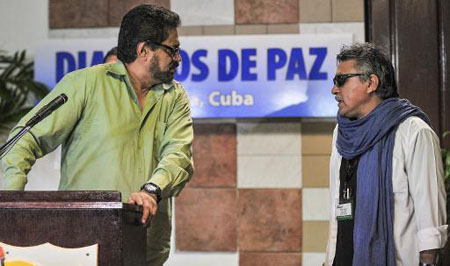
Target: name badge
(344,211)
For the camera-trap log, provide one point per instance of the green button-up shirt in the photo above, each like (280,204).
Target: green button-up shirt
(108,142)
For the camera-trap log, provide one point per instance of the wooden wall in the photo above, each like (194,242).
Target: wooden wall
(417,35)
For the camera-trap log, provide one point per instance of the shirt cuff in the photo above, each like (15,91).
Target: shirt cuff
(162,182)
(432,238)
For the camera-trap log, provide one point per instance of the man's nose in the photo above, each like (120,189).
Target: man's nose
(178,57)
(334,90)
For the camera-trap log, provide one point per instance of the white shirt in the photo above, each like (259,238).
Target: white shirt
(419,193)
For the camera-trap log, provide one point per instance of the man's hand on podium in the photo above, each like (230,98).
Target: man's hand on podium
(147,201)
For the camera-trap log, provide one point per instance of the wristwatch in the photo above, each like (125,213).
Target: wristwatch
(152,188)
(436,261)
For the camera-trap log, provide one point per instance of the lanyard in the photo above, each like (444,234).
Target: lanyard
(351,167)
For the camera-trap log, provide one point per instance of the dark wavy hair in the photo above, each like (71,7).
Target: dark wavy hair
(111,52)
(142,23)
(371,59)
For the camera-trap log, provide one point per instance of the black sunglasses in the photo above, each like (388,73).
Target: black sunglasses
(339,80)
(172,51)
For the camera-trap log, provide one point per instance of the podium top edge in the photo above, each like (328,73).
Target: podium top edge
(59,205)
(64,196)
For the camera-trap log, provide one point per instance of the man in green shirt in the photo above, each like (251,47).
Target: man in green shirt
(126,126)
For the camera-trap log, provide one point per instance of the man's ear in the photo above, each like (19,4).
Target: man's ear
(373,83)
(142,50)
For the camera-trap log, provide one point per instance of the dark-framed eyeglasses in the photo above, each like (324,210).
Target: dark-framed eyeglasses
(339,80)
(170,50)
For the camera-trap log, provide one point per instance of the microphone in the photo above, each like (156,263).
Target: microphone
(41,114)
(47,110)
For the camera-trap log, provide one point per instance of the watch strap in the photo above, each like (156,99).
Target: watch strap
(152,188)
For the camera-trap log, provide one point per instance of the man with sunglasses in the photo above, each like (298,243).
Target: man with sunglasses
(126,126)
(386,185)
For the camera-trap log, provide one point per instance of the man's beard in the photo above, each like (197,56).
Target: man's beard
(163,76)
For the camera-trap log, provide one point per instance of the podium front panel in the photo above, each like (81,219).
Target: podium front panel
(74,219)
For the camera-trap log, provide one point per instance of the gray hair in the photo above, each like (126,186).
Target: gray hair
(370,59)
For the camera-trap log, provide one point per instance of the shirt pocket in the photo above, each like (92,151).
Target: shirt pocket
(158,139)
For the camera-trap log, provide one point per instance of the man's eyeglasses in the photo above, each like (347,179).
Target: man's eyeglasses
(339,80)
(172,51)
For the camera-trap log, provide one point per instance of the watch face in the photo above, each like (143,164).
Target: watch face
(150,188)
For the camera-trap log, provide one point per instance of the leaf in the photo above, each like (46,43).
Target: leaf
(446,133)
(446,162)
(447,159)
(447,173)
(17,87)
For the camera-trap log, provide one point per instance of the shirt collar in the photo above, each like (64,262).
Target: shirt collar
(119,71)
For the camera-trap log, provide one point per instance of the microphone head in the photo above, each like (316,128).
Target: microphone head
(63,97)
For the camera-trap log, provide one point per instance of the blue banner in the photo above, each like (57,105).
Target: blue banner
(230,76)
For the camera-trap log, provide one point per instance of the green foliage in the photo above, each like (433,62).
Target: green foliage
(446,158)
(17,87)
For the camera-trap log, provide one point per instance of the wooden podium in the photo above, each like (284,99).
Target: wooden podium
(74,219)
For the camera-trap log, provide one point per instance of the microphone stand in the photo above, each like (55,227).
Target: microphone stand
(4,149)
